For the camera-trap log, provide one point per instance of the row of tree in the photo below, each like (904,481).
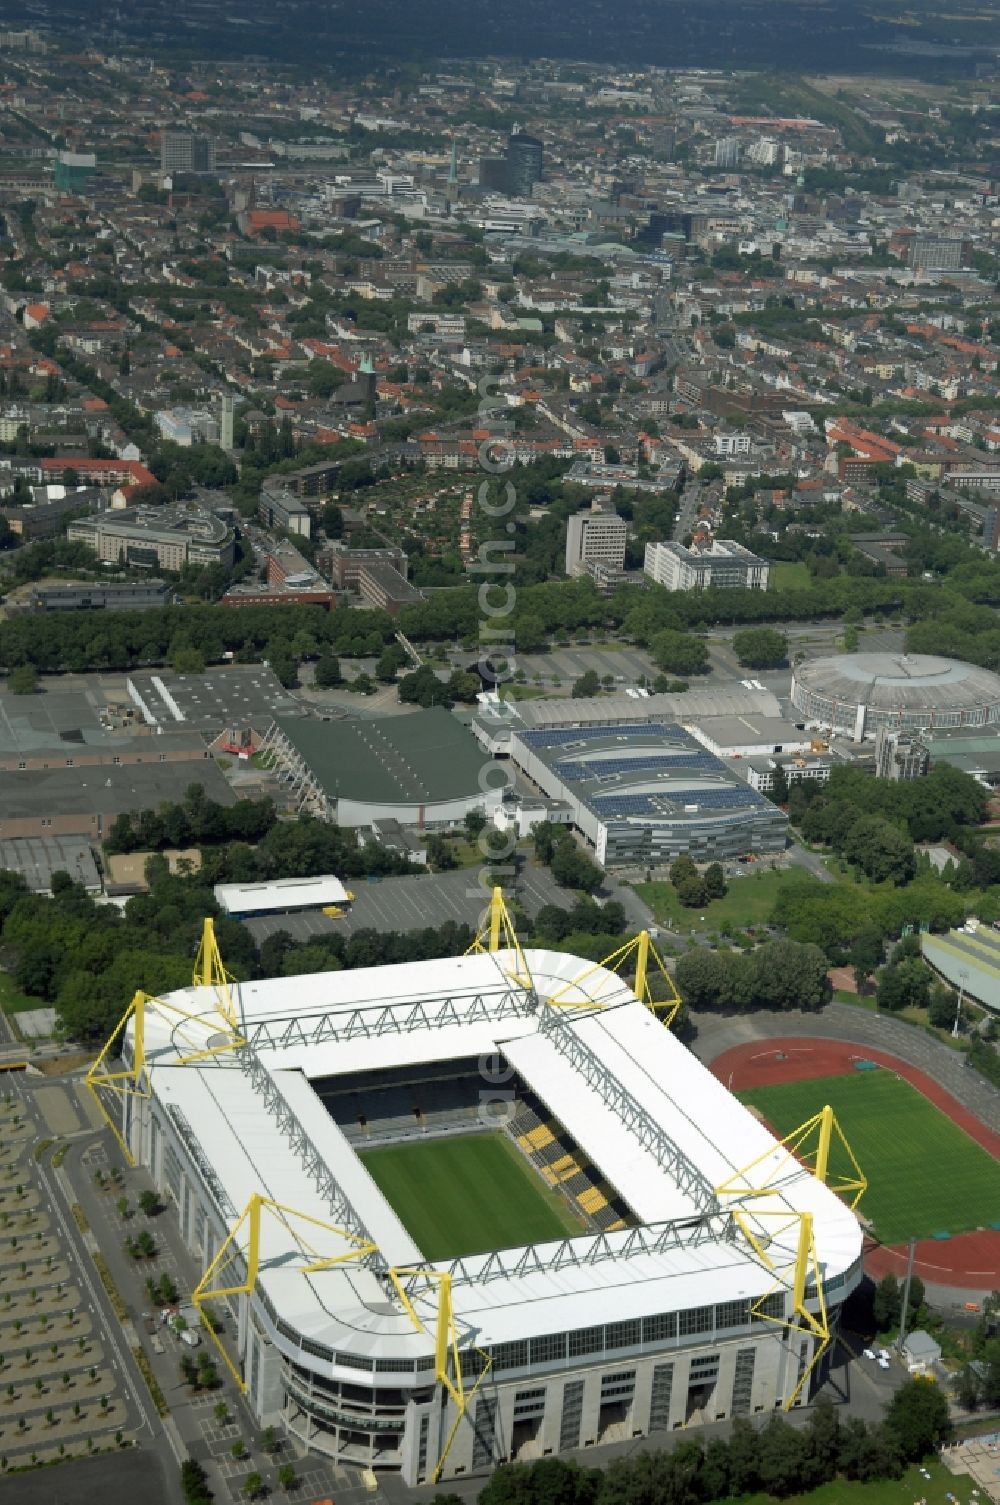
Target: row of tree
(779,1458)
(194,821)
(541,613)
(776,975)
(78,641)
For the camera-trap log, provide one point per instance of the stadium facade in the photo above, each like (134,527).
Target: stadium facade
(645,794)
(705,1281)
(860,694)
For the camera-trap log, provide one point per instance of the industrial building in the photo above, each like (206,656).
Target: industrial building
(644,794)
(423,769)
(705,1281)
(859,694)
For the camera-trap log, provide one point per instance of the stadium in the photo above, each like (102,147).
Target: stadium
(860,694)
(480,1208)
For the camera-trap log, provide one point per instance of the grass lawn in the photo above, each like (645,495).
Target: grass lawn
(925,1175)
(13,1001)
(466,1195)
(790,576)
(749,901)
(912,1486)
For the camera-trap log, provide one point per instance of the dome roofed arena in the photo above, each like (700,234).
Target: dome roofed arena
(860,694)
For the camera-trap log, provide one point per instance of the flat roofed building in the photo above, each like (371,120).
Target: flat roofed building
(165,538)
(596,537)
(643,795)
(722,565)
(422,769)
(70,801)
(36,859)
(280,896)
(127,595)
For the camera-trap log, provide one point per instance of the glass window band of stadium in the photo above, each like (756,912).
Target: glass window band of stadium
(690,1326)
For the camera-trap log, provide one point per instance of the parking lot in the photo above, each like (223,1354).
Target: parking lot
(412,903)
(60,1393)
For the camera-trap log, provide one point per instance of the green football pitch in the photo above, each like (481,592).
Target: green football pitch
(925,1175)
(467,1195)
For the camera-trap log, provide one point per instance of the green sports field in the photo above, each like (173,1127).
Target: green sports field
(925,1175)
(466,1195)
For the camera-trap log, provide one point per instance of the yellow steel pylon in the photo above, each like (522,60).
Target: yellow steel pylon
(231,1252)
(241,1253)
(797,1273)
(496,925)
(817,1159)
(209,972)
(447,1357)
(641,948)
(744,1187)
(133,1080)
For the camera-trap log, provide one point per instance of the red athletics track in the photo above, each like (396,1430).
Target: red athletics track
(969,1260)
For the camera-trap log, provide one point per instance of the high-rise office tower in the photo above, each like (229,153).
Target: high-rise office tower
(727,152)
(524,164)
(226,419)
(183,151)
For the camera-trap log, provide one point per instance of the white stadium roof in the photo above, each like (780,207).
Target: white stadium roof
(656,1123)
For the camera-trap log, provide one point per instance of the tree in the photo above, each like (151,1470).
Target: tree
(681,868)
(787,1464)
(906,985)
(788,975)
(474,821)
(149,1203)
(253,1486)
(588,684)
(887,1303)
(865,955)
(715,881)
(701,977)
(918,1418)
(392,659)
(572,868)
(287,1476)
(440,854)
(760,648)
(942,1006)
(967,1388)
(23,680)
(692,892)
(327,671)
(679,652)
(880,849)
(778,793)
